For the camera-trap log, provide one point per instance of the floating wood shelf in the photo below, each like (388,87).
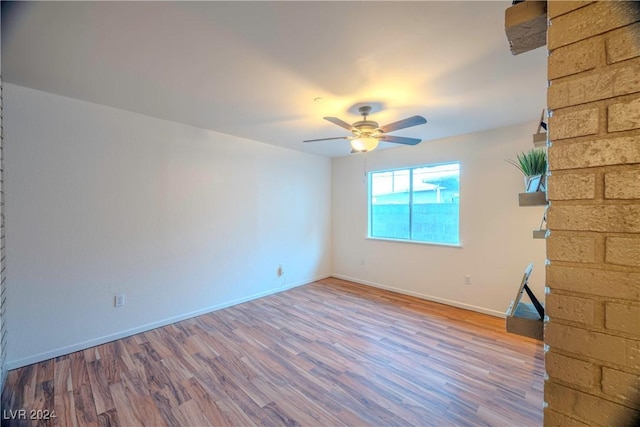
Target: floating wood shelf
(540,139)
(538,198)
(539,234)
(526,26)
(525,320)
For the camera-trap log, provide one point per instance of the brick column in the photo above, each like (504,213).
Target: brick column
(593,303)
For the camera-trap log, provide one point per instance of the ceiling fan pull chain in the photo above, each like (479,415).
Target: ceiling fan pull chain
(364,165)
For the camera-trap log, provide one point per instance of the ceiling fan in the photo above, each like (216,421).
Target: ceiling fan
(366,134)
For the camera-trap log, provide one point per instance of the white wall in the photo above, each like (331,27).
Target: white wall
(182,220)
(495,233)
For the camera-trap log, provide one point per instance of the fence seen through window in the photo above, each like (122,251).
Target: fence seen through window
(418,204)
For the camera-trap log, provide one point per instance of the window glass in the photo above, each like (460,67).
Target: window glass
(419,204)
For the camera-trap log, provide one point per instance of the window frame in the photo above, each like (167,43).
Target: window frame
(411,169)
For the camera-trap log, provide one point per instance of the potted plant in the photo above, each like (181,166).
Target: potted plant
(532,164)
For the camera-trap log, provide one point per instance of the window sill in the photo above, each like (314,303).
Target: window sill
(415,242)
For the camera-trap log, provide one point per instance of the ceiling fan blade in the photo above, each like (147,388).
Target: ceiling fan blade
(325,139)
(400,140)
(406,123)
(339,122)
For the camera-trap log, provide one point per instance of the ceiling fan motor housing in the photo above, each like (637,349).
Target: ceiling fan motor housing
(366,126)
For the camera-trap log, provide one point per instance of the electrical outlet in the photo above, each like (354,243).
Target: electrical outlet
(467,280)
(118,301)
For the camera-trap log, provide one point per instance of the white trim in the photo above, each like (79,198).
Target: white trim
(424,296)
(416,242)
(13,364)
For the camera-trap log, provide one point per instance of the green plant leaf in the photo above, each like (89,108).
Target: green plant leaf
(533,162)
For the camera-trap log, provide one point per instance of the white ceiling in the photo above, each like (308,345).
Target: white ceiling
(253,69)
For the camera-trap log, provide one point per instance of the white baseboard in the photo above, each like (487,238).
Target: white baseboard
(424,296)
(18,363)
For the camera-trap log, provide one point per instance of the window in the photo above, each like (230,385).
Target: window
(418,204)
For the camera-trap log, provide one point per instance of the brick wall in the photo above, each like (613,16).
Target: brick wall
(593,277)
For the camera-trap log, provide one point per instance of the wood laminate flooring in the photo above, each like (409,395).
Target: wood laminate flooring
(330,353)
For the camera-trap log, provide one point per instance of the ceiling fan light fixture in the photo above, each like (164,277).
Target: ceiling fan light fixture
(364,144)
